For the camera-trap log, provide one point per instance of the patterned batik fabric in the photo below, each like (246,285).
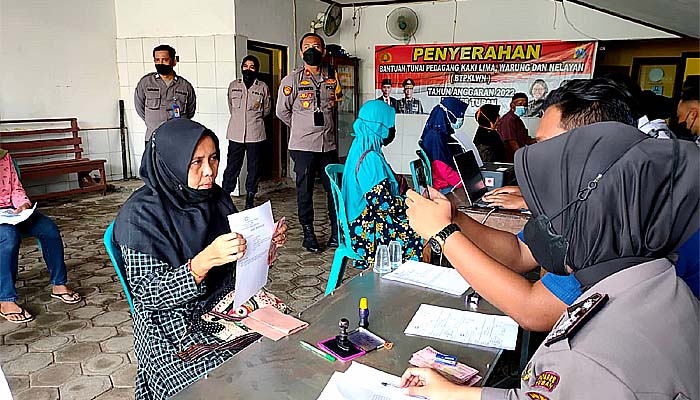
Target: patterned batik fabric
(383,220)
(164,297)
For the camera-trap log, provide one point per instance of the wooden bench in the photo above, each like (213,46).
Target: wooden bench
(32,144)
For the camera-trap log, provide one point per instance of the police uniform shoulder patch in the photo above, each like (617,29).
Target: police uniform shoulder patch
(575,317)
(287,90)
(547,380)
(527,372)
(536,396)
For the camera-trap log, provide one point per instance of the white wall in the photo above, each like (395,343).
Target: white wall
(477,20)
(59,61)
(164,18)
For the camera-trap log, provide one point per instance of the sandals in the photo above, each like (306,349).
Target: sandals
(23,313)
(67,297)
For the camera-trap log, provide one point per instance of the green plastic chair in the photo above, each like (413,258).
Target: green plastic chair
(115,255)
(344,250)
(426,163)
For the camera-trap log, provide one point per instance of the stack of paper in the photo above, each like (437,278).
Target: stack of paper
(464,327)
(363,382)
(446,280)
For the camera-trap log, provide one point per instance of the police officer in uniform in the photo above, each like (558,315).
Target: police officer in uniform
(163,95)
(306,103)
(409,104)
(248,102)
(633,332)
(386,94)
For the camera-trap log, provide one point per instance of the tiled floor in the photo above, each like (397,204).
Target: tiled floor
(85,351)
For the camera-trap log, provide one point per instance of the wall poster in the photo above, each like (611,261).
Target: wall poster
(418,76)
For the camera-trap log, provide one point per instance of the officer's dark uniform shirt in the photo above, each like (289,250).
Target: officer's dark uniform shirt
(412,106)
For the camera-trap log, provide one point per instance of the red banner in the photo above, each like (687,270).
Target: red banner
(480,73)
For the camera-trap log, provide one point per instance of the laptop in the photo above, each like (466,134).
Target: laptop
(472,180)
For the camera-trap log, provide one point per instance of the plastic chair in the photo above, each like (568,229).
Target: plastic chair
(19,176)
(426,163)
(344,250)
(118,262)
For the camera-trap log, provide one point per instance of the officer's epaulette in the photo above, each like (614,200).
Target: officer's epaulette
(575,317)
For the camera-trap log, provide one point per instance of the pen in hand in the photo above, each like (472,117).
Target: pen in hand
(399,387)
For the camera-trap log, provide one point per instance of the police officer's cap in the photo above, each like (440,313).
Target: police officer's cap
(408,83)
(386,81)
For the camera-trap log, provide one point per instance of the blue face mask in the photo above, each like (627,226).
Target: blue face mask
(520,110)
(458,124)
(458,121)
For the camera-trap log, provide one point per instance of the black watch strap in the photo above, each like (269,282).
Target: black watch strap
(446,232)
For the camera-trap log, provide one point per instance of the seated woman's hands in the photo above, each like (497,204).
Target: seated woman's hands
(22,208)
(226,248)
(508,197)
(280,236)
(428,216)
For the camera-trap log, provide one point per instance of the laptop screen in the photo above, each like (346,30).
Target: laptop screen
(470,173)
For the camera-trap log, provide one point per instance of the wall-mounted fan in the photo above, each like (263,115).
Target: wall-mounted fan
(329,20)
(402,24)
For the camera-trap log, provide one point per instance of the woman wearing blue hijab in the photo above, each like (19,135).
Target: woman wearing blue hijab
(445,117)
(375,208)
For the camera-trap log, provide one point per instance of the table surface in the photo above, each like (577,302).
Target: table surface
(284,370)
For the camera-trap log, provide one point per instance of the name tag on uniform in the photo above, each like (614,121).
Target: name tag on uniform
(176,111)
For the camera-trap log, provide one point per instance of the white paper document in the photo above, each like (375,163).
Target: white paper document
(7,216)
(257,226)
(430,276)
(464,327)
(363,383)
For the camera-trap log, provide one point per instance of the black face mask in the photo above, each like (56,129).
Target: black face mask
(548,247)
(682,130)
(313,57)
(392,135)
(249,77)
(164,69)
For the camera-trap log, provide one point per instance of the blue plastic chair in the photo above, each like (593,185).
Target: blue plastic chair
(115,255)
(426,163)
(344,250)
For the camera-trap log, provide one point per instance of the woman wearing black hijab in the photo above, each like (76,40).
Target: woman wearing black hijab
(486,138)
(619,204)
(178,252)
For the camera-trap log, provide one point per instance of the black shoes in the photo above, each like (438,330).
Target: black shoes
(310,242)
(249,200)
(333,240)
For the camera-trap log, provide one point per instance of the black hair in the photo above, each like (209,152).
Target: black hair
(311,34)
(164,47)
(488,113)
(255,61)
(587,101)
(519,95)
(655,106)
(691,89)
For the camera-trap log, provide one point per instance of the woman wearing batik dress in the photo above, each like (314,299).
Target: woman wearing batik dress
(375,208)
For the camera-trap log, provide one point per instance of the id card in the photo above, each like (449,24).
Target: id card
(176,111)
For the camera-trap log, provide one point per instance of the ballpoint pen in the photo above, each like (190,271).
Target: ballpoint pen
(399,387)
(316,351)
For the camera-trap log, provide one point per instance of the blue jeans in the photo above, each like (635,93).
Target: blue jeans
(46,231)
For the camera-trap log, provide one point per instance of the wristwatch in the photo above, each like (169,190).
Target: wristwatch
(437,242)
